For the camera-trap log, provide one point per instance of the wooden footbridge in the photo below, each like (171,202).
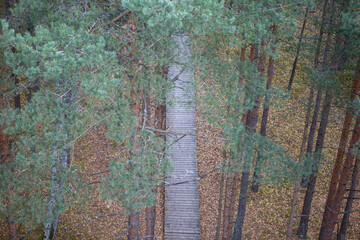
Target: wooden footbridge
(181,200)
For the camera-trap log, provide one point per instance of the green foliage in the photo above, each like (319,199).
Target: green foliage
(91,69)
(72,70)
(133,179)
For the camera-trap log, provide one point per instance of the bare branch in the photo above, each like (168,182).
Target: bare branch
(112,21)
(123,233)
(163,132)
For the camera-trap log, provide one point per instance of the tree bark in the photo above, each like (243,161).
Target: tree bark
(265,115)
(298,50)
(134,220)
(321,33)
(354,183)
(228,205)
(58,170)
(333,210)
(305,214)
(242,206)
(310,143)
(325,64)
(250,126)
(294,201)
(151,211)
(327,225)
(232,183)
(17,95)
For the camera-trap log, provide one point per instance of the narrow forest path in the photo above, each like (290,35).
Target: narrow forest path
(182,200)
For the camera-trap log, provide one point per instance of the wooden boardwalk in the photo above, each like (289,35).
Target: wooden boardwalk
(182,201)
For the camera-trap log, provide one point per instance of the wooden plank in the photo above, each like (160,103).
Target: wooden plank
(182,201)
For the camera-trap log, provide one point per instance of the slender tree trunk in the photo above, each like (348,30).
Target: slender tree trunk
(328,217)
(321,33)
(51,203)
(4,138)
(302,230)
(228,205)
(13,230)
(134,220)
(310,138)
(242,205)
(250,125)
(270,73)
(17,95)
(305,214)
(312,131)
(298,50)
(151,211)
(348,208)
(58,171)
(324,66)
(232,183)
(265,115)
(294,201)
(332,213)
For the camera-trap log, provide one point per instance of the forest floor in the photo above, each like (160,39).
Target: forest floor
(267,211)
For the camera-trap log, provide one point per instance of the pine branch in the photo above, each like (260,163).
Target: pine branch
(112,21)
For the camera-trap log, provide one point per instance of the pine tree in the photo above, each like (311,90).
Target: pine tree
(56,55)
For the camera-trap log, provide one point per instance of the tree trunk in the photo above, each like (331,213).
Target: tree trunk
(151,211)
(294,201)
(332,212)
(228,205)
(312,131)
(50,207)
(328,218)
(354,183)
(321,33)
(58,170)
(250,125)
(17,95)
(232,183)
(305,214)
(316,62)
(324,66)
(298,50)
(4,138)
(240,218)
(134,220)
(265,115)
(270,73)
